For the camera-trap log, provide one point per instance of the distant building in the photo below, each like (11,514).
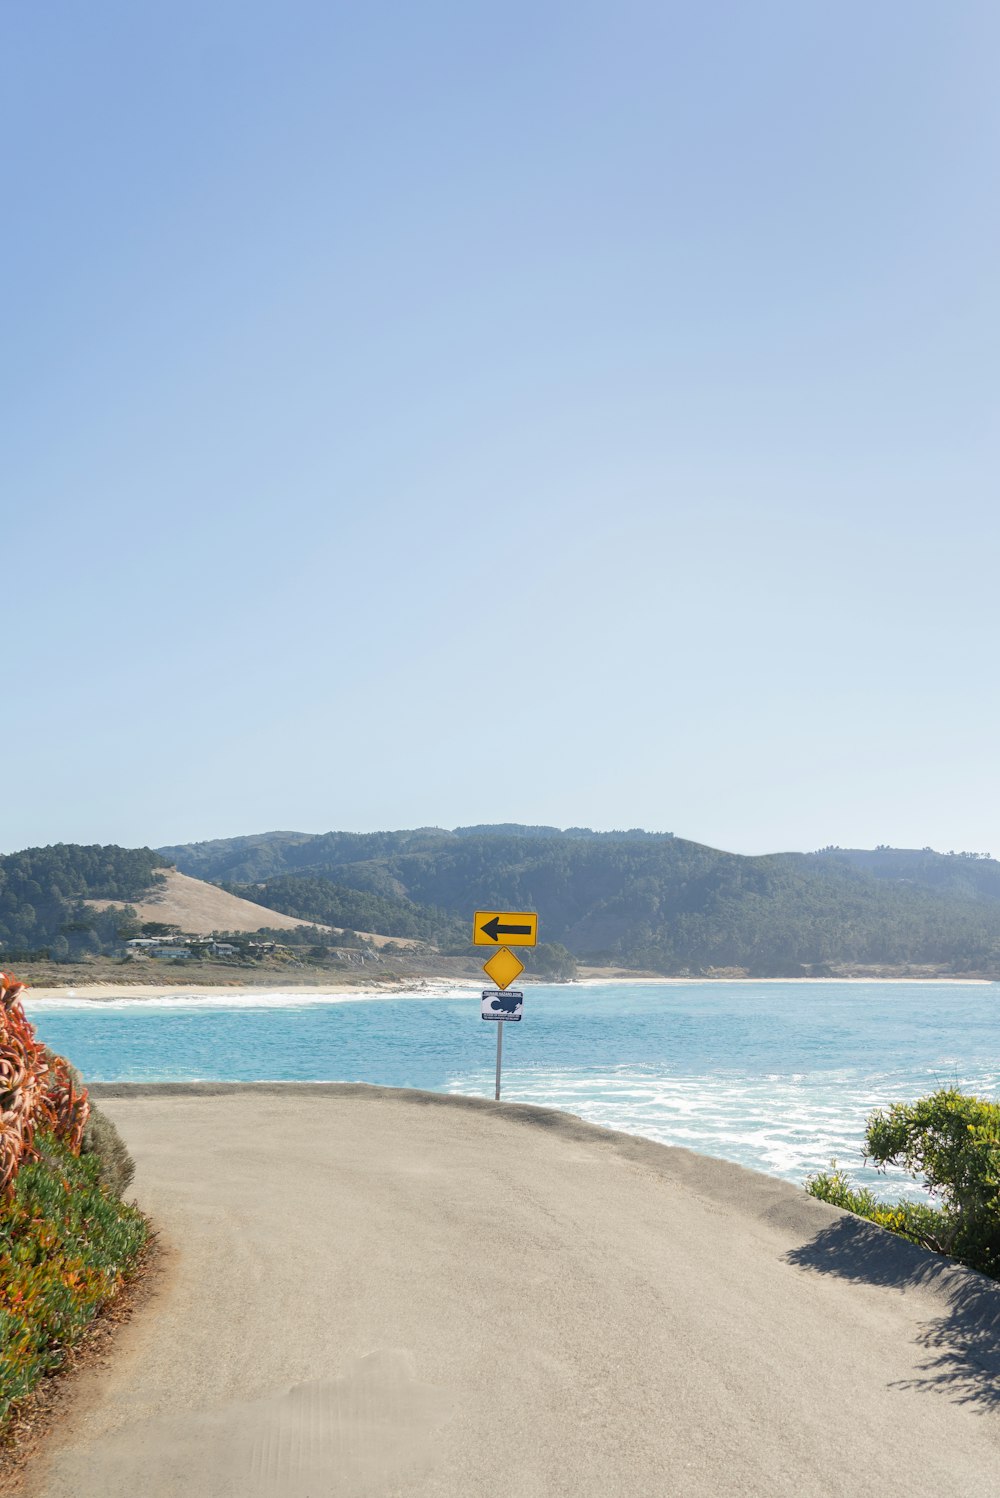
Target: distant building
(172,954)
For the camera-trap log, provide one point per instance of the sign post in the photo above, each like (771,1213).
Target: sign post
(501,1006)
(520,929)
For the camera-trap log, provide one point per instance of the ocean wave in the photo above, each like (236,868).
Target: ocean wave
(237,999)
(791,1126)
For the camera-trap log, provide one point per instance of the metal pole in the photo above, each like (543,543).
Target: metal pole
(499,1049)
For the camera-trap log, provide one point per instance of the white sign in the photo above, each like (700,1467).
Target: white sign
(502,1004)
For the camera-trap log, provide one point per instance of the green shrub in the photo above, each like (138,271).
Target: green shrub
(952,1141)
(101,1138)
(918,1221)
(836,1189)
(66,1242)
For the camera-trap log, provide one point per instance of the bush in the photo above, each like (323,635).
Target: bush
(952,1140)
(917,1221)
(101,1138)
(66,1240)
(38,1090)
(65,1245)
(550,959)
(115,1164)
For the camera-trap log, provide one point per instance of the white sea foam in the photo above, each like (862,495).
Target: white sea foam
(703,1086)
(239,999)
(789,1126)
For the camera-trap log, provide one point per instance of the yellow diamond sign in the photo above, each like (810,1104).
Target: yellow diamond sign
(503,967)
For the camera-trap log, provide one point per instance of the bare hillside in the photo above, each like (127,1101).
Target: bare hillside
(199,909)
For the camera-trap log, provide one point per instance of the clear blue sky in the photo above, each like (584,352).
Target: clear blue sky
(452,413)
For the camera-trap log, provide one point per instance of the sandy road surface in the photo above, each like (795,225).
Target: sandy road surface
(377,1293)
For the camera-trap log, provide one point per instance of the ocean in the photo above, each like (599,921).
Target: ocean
(779,1077)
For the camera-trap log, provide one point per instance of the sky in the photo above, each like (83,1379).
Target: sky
(583,414)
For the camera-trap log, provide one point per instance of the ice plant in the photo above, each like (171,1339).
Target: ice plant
(36,1089)
(66,1240)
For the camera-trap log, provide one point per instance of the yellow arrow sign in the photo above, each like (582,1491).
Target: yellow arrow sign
(515,928)
(503,967)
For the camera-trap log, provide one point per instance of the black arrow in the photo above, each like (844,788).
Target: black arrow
(494,930)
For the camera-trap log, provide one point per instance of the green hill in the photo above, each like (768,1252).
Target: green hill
(634,898)
(42,894)
(341,906)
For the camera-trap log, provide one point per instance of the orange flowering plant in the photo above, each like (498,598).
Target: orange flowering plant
(36,1089)
(66,1240)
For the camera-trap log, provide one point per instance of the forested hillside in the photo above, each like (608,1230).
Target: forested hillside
(970,875)
(42,894)
(314,898)
(635,898)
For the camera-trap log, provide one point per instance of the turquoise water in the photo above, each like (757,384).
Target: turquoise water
(778,1077)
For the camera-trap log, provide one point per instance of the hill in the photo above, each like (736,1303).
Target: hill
(629,899)
(323,900)
(199,908)
(50,898)
(72,902)
(634,898)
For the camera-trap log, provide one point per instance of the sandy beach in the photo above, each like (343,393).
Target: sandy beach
(372,1292)
(102,992)
(242,991)
(419,987)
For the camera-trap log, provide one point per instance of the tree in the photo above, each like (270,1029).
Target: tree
(952,1140)
(550,959)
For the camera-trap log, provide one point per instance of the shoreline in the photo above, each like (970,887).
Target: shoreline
(443,987)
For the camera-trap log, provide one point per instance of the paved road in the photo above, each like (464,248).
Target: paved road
(387,1293)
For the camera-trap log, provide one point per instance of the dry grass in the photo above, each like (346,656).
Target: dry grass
(199,908)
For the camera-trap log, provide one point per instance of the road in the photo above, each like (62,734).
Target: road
(372,1292)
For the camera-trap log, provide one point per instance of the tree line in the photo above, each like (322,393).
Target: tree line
(648,900)
(640,900)
(315,898)
(43,893)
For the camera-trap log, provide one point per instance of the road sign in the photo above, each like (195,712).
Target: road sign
(503,967)
(502,1005)
(513,928)
(516,928)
